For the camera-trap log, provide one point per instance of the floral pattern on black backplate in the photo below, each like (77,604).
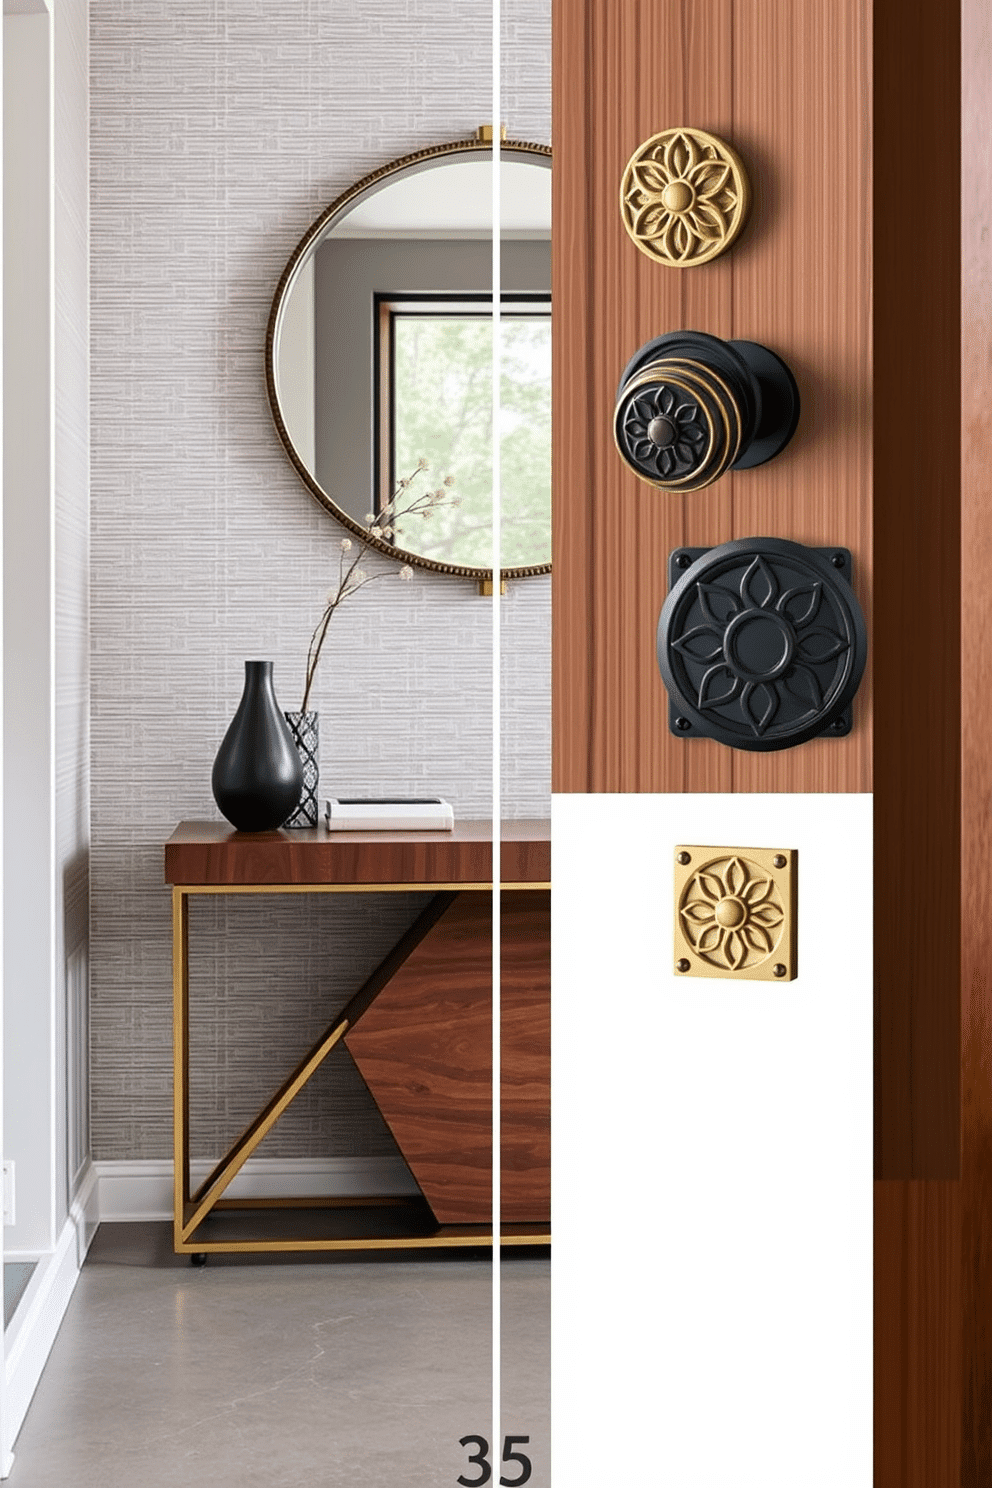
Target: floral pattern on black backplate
(762,653)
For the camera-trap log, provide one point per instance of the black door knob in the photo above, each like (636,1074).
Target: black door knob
(761,643)
(691,406)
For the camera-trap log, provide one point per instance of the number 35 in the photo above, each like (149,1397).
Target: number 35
(481,1460)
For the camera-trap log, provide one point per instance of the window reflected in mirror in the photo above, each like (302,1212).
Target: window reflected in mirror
(434,381)
(379,354)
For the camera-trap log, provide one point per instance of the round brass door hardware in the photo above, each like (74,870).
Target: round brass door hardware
(684,197)
(761,643)
(690,407)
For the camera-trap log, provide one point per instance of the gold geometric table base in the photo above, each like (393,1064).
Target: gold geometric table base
(414,1226)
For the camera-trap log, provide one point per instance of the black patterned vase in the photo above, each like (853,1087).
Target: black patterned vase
(304,728)
(258,775)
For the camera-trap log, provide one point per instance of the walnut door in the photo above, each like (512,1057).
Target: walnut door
(848,116)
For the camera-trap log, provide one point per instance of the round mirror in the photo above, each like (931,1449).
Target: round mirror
(379,353)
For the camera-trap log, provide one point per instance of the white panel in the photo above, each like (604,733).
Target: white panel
(712,1205)
(29,1013)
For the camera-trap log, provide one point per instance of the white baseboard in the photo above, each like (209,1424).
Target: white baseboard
(38,1317)
(130,1191)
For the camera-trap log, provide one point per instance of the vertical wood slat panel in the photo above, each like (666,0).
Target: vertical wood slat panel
(917,1395)
(612,532)
(917,637)
(976,782)
(758,73)
(802,284)
(573,435)
(932,1289)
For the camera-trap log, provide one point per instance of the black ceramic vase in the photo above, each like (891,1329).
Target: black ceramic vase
(258,775)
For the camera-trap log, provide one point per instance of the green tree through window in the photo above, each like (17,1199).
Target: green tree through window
(442,410)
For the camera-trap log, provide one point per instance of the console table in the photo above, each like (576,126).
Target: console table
(419,1029)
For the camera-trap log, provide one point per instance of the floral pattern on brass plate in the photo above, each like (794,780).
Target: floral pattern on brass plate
(684,197)
(735,912)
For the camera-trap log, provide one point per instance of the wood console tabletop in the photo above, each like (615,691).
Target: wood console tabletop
(213,853)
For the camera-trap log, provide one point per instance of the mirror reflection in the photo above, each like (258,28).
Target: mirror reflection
(380,355)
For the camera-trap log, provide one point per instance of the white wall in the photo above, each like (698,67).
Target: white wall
(712,1159)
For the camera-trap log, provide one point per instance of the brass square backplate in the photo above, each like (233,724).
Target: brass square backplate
(735,912)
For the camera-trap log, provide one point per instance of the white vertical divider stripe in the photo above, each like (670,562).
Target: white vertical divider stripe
(497,762)
(6,1455)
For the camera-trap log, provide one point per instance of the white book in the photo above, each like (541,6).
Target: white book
(395,814)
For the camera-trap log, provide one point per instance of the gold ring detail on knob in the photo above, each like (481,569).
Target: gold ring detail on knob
(728,404)
(684,197)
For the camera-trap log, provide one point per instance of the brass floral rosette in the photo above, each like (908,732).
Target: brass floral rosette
(684,197)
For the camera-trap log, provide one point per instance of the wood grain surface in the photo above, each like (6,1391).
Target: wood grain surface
(918,592)
(214,853)
(525,1055)
(918,1329)
(788,83)
(424,1048)
(976,785)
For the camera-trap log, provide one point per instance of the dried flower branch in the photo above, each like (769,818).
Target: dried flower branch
(352,577)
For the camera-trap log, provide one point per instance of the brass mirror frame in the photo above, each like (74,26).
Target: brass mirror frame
(337,208)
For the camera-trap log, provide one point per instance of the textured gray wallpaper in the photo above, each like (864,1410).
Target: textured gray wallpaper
(218,133)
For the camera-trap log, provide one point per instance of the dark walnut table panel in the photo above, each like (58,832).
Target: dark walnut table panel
(204,853)
(424,1048)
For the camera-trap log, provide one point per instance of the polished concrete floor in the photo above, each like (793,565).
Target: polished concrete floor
(285,1374)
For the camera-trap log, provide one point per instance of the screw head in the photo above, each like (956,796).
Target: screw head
(839,725)
(683,561)
(683,725)
(779,860)
(682,857)
(838,560)
(682,965)
(779,970)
